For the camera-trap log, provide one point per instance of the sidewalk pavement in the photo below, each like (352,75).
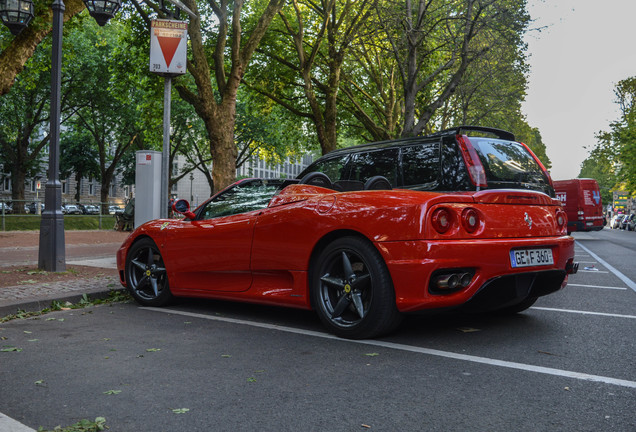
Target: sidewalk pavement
(37,296)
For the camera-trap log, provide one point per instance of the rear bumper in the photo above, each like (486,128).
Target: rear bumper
(411,265)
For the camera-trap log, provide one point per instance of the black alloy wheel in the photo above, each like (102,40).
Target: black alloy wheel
(352,290)
(146,274)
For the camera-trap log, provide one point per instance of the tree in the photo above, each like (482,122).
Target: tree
(601,165)
(428,49)
(25,114)
(320,35)
(221,51)
(78,156)
(612,161)
(624,131)
(115,104)
(269,131)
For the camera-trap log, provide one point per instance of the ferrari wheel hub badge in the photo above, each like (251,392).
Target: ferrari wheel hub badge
(148,272)
(347,288)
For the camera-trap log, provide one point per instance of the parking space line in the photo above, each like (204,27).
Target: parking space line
(598,286)
(410,348)
(584,312)
(592,271)
(620,275)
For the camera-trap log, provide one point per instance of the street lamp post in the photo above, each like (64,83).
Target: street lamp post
(191,196)
(16,15)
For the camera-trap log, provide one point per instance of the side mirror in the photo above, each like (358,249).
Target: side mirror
(183,207)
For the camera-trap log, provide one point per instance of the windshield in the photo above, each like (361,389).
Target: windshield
(508,164)
(249,195)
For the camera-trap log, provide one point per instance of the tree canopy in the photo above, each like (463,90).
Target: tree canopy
(273,78)
(612,161)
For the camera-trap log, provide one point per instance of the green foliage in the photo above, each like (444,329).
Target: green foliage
(115,104)
(265,129)
(612,161)
(81,426)
(601,165)
(24,113)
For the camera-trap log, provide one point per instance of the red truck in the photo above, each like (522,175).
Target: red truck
(581,199)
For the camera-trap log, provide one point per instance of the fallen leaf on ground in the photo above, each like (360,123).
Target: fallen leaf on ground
(180,410)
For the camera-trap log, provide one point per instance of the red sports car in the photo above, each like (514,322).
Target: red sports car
(360,258)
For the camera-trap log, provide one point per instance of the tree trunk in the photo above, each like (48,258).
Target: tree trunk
(219,117)
(78,186)
(18,178)
(103,194)
(222,146)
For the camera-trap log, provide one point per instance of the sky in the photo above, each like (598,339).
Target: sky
(584,49)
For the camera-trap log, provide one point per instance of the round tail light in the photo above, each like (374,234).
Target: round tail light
(442,220)
(561,218)
(470,220)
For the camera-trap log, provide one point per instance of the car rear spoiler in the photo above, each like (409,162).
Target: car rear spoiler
(499,133)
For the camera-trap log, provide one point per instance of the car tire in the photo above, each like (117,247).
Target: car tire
(352,291)
(519,307)
(146,276)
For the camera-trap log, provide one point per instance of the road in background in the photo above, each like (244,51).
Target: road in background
(22,247)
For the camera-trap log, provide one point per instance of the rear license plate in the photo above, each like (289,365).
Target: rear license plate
(531,257)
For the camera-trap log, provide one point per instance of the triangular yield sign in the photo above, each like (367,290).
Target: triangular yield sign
(168,47)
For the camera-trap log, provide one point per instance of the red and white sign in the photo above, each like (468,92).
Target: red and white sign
(168,46)
(144,158)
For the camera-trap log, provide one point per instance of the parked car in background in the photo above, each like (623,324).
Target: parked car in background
(360,252)
(32,208)
(581,199)
(91,209)
(626,220)
(114,209)
(616,221)
(631,224)
(6,208)
(72,209)
(459,159)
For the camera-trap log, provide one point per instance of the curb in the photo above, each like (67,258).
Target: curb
(10,307)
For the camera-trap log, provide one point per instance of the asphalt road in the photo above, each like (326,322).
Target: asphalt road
(567,364)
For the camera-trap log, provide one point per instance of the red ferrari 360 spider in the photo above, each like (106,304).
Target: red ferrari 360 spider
(359,258)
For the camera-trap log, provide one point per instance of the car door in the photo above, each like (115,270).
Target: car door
(212,253)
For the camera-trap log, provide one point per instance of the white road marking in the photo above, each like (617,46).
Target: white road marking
(591,271)
(630,283)
(598,286)
(409,348)
(584,312)
(7,424)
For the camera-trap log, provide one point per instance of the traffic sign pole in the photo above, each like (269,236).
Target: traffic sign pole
(168,49)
